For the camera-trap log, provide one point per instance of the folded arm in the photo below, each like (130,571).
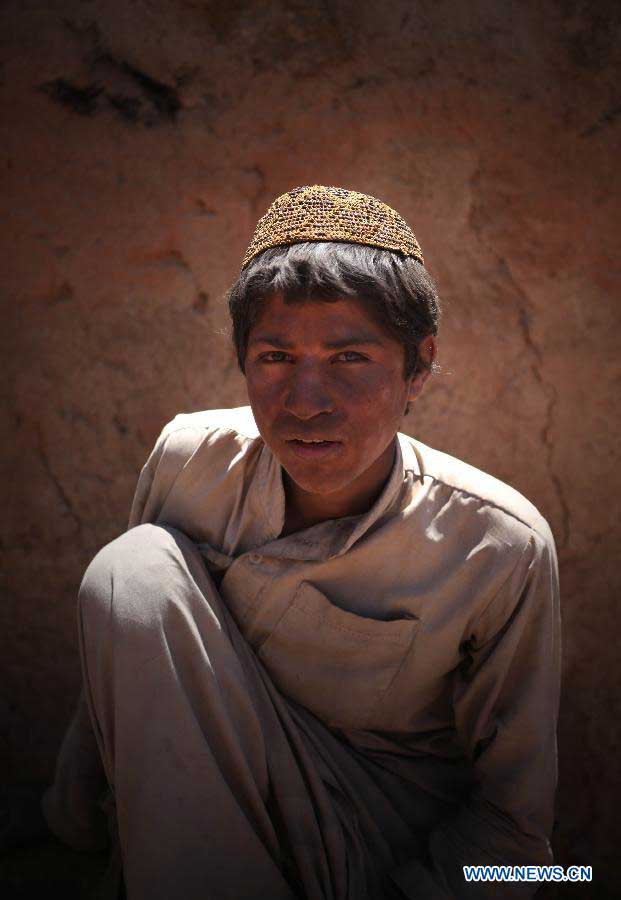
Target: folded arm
(505,698)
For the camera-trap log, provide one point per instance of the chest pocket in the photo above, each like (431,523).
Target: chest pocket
(337,664)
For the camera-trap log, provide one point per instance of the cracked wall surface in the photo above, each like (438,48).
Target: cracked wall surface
(142,141)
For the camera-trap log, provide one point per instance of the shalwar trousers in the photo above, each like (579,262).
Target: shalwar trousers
(220,787)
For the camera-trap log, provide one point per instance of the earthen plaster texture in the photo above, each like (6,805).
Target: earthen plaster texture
(141,142)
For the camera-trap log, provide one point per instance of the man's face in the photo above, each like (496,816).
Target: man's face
(327,372)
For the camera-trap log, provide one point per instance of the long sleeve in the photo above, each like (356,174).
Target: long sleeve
(154,481)
(505,700)
(173,450)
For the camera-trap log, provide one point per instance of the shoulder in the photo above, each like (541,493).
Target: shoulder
(184,434)
(219,435)
(201,448)
(487,498)
(238,420)
(487,535)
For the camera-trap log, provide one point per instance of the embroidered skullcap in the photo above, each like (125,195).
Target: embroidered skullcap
(318,213)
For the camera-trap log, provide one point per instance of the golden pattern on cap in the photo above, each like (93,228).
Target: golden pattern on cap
(318,213)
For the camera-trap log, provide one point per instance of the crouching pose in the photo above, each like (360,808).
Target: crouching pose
(323,662)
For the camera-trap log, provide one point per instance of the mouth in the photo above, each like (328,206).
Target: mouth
(312,447)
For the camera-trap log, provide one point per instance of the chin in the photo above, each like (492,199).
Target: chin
(317,482)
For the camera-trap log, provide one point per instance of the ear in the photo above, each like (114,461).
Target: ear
(428,350)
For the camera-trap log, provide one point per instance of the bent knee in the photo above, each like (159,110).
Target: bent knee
(128,576)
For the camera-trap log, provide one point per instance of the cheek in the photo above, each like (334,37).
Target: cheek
(376,404)
(378,390)
(262,394)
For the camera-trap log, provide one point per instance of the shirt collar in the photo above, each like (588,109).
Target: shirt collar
(335,536)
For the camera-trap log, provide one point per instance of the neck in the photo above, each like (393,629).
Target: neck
(303,509)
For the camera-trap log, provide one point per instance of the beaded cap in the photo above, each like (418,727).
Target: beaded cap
(318,213)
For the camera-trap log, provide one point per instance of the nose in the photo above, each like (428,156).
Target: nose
(307,393)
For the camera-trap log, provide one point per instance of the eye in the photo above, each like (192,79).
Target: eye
(350,356)
(275,356)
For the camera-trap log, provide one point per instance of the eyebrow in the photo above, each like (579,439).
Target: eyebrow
(357,340)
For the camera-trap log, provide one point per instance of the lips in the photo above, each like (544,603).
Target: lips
(311,448)
(311,441)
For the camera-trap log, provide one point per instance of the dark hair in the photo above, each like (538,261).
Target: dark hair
(397,290)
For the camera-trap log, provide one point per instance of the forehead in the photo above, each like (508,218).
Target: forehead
(306,320)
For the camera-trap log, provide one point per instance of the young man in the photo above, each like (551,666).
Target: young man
(324,660)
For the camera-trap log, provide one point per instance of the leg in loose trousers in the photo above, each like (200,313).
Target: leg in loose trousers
(218,794)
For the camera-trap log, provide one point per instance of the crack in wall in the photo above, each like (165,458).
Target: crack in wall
(82,100)
(607,118)
(550,393)
(49,471)
(136,96)
(476,222)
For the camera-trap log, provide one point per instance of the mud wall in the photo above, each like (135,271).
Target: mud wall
(142,141)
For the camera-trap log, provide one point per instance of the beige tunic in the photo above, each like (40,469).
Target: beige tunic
(426,632)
